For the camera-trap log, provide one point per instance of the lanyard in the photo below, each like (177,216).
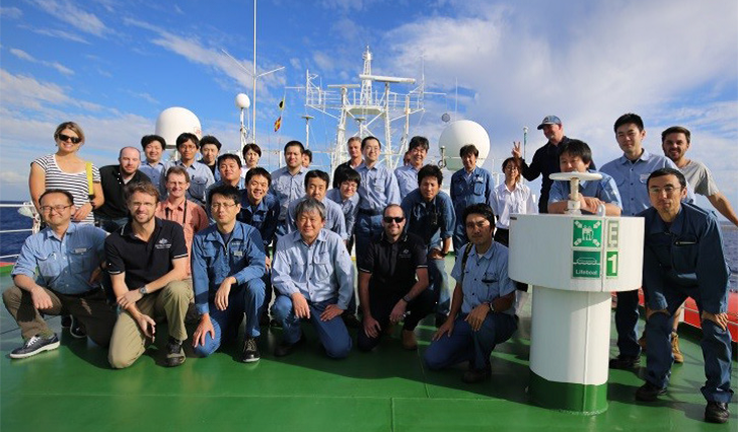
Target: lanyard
(168,212)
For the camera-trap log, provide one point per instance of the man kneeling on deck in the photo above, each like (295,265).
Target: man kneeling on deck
(393,282)
(228,263)
(68,256)
(482,307)
(683,257)
(312,274)
(147,262)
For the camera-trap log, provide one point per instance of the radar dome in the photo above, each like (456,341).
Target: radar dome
(174,121)
(242,101)
(457,135)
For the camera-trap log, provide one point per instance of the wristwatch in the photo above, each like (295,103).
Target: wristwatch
(407,298)
(492,308)
(143,290)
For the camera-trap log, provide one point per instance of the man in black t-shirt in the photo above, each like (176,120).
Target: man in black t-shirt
(113,214)
(393,282)
(147,265)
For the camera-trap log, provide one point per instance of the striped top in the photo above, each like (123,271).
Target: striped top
(75,183)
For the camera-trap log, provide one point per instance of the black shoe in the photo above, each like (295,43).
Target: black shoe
(175,353)
(649,392)
(285,349)
(35,345)
(264,320)
(66,321)
(250,351)
(473,376)
(625,362)
(440,319)
(717,412)
(77,329)
(351,321)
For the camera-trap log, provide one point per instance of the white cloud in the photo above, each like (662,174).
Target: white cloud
(56,65)
(59,34)
(10,12)
(72,14)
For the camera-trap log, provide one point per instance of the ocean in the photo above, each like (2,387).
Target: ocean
(11,243)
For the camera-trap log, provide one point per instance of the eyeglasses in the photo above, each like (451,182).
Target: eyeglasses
(74,140)
(137,204)
(217,206)
(398,220)
(58,209)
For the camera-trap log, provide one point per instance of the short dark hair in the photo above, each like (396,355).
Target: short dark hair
(515,161)
(148,139)
(186,136)
(628,119)
(430,171)
(418,141)
(227,156)
(255,171)
(250,146)
(389,206)
(66,193)
(370,137)
(661,172)
(481,209)
(575,148)
(294,143)
(346,173)
(676,129)
(209,139)
(144,187)
(469,149)
(317,174)
(226,191)
(176,169)
(309,154)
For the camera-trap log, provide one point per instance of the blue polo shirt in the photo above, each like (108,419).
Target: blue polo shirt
(604,189)
(484,277)
(64,265)
(213,260)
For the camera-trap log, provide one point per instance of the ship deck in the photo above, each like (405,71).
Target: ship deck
(74,389)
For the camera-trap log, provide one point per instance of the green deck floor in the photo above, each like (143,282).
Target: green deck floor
(73,389)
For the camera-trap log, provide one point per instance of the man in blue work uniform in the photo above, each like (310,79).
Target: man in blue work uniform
(312,273)
(288,182)
(407,175)
(482,309)
(228,263)
(431,217)
(469,185)
(377,190)
(630,172)
(260,209)
(316,186)
(683,257)
(68,257)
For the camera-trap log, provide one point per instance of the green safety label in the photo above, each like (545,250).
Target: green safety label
(587,233)
(586,264)
(611,264)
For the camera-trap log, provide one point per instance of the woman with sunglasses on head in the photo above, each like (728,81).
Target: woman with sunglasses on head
(66,170)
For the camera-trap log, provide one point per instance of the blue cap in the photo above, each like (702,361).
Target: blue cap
(549,120)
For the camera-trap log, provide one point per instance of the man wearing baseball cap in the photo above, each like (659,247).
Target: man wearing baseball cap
(545,159)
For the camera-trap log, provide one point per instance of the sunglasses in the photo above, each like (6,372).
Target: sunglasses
(64,138)
(397,220)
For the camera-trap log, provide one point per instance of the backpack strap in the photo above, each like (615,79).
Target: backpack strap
(90,189)
(464,258)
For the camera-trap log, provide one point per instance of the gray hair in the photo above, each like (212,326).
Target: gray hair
(310,205)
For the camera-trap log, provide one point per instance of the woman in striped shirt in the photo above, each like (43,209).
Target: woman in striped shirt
(65,170)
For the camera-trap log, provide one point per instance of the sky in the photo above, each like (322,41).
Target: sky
(113,65)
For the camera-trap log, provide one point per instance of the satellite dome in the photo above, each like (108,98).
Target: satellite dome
(174,121)
(242,101)
(460,133)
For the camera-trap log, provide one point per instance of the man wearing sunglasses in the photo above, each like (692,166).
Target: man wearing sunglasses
(68,257)
(393,277)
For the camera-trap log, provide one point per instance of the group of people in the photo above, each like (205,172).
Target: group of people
(201,244)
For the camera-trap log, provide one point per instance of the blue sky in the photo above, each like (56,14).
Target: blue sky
(114,65)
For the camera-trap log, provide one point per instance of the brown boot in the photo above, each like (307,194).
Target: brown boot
(678,357)
(408,340)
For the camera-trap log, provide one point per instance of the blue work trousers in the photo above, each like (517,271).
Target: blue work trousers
(464,344)
(439,285)
(333,333)
(626,323)
(248,299)
(716,349)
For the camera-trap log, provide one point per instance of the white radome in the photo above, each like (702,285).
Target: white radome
(242,101)
(174,121)
(459,134)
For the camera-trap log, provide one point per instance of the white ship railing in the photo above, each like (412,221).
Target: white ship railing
(36,224)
